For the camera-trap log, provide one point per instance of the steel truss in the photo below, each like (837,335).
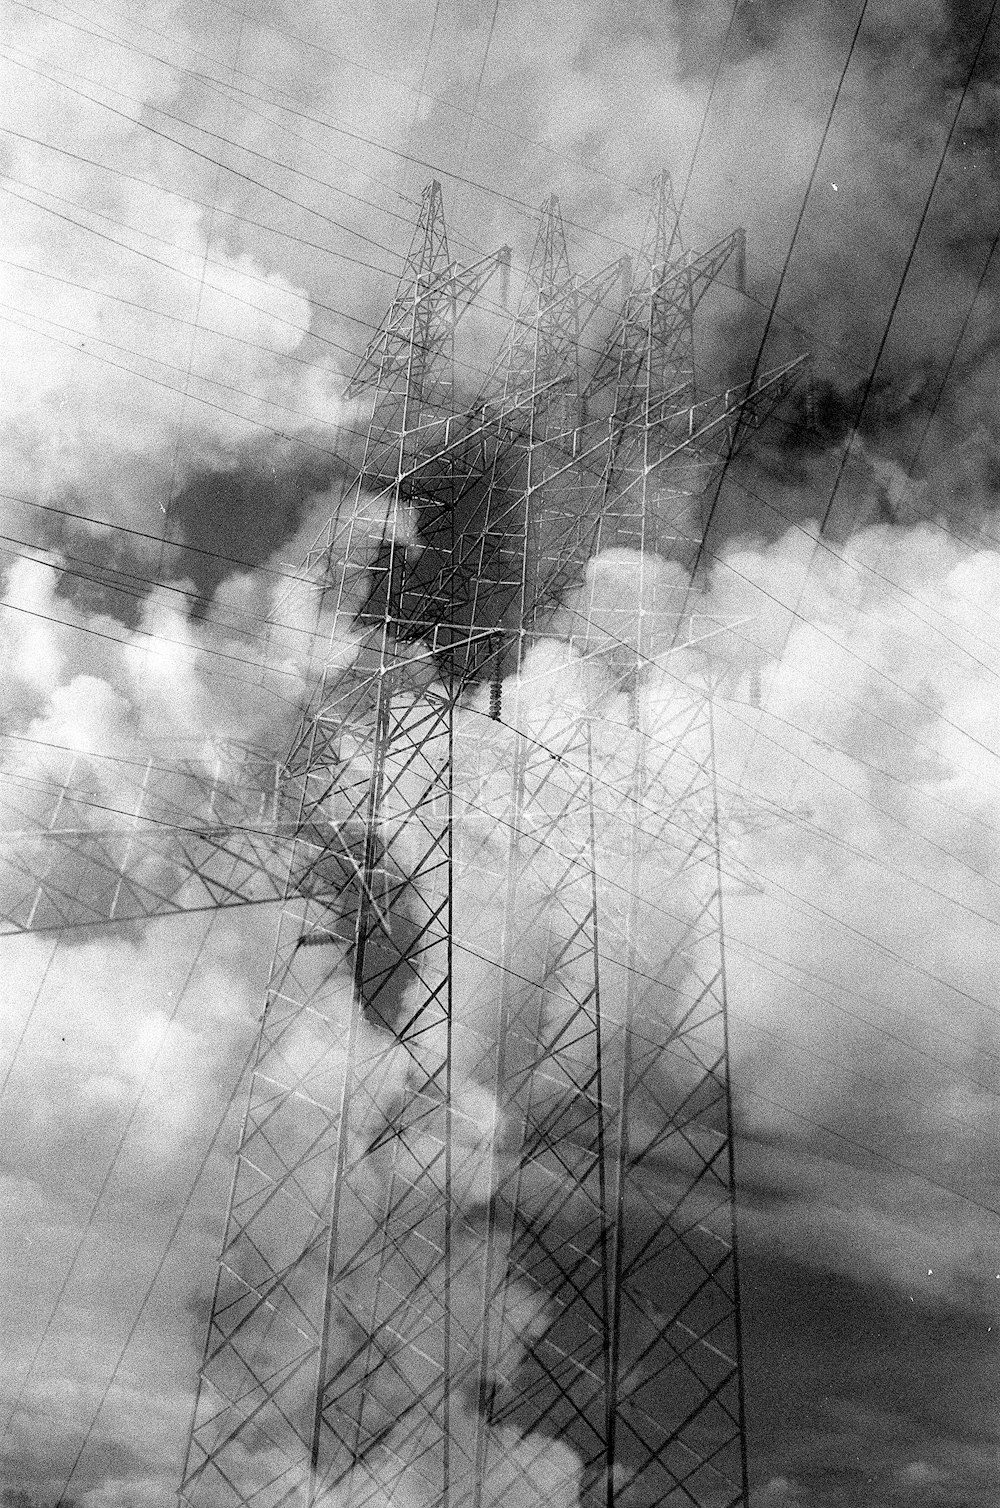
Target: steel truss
(484,1198)
(480,1241)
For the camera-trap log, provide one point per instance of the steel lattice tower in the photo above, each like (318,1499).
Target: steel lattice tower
(483,1205)
(484,1197)
(484,1192)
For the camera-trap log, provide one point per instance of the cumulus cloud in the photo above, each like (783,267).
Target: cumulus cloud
(141,337)
(876,734)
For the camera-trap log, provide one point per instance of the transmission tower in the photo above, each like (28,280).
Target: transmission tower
(484,1196)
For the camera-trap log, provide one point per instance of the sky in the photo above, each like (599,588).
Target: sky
(205,211)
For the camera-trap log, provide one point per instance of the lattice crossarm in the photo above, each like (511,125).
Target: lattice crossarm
(453,289)
(726,420)
(94,839)
(767,394)
(737,409)
(675,289)
(65,879)
(700,271)
(574,304)
(596,290)
(467,283)
(460,430)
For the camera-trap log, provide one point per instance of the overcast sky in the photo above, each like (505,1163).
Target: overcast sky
(203,212)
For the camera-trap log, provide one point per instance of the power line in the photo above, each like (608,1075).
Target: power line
(758,360)
(222,89)
(29,1017)
(109,33)
(485,188)
(105,523)
(172,366)
(145,309)
(97,633)
(518,204)
(863,567)
(270,429)
(720,60)
(639,192)
(257,664)
(772,315)
(912,786)
(759,874)
(202,130)
(106,1180)
(54,788)
(847,450)
(861,1145)
(871,1150)
(917,1174)
(158,1270)
(446,101)
(814,1056)
(118,172)
(959,340)
(115,579)
(785,891)
(822,833)
(842,351)
(137,121)
(178,271)
(755,952)
(464,363)
(139,763)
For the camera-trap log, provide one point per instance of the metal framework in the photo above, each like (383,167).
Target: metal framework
(483,1206)
(88,840)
